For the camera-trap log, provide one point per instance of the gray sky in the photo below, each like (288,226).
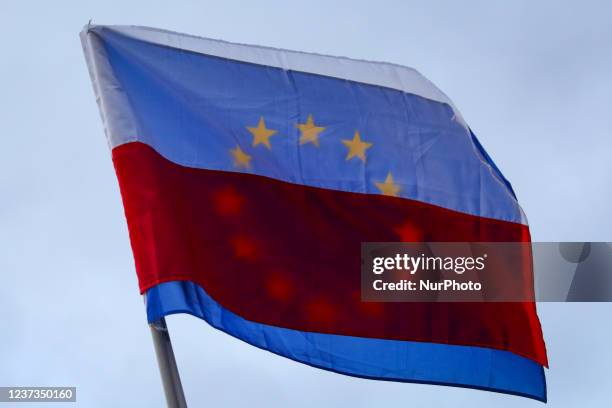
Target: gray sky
(533,82)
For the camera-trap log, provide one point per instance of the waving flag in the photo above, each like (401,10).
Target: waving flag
(251,175)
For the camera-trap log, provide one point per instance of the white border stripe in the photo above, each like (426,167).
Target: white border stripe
(117,116)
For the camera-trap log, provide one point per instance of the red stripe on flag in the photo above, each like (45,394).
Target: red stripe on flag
(287,255)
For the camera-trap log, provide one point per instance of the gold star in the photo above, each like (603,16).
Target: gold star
(241,159)
(357,147)
(388,188)
(310,132)
(261,135)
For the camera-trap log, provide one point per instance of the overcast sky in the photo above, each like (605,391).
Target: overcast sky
(533,81)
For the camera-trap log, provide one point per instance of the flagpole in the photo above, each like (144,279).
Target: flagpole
(175,398)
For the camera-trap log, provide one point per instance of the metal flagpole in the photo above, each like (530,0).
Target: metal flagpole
(168,370)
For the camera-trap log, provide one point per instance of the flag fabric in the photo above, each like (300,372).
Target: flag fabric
(251,175)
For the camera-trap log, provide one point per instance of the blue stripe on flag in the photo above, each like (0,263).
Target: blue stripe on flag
(418,362)
(194,109)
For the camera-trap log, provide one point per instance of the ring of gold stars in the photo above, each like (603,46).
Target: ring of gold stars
(310,133)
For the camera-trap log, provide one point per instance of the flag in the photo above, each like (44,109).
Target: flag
(251,175)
